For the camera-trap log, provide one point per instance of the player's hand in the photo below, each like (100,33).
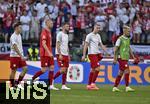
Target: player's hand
(60,57)
(114,61)
(23,58)
(50,54)
(83,58)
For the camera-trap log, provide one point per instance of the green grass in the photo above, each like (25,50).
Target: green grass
(79,95)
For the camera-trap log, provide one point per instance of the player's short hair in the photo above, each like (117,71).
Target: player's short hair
(65,23)
(48,20)
(126,26)
(97,24)
(16,24)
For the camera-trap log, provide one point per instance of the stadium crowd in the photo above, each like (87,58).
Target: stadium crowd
(110,14)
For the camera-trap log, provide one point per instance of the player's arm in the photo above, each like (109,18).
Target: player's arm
(58,49)
(116,49)
(115,54)
(104,48)
(17,50)
(131,53)
(86,44)
(46,48)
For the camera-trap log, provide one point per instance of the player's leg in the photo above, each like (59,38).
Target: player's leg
(95,75)
(37,74)
(44,66)
(60,64)
(90,77)
(126,74)
(117,81)
(21,76)
(94,61)
(12,76)
(23,65)
(51,78)
(51,74)
(14,64)
(64,78)
(122,66)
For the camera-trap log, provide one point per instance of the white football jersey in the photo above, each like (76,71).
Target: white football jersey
(15,39)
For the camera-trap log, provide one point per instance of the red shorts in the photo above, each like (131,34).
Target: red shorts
(123,64)
(47,61)
(64,62)
(17,62)
(94,60)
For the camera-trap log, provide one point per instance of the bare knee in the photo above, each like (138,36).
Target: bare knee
(43,69)
(127,71)
(63,70)
(97,69)
(121,73)
(52,68)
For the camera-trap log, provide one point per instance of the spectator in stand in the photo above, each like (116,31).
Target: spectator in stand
(112,26)
(146,28)
(132,10)
(81,24)
(16,8)
(8,20)
(40,7)
(10,4)
(74,6)
(59,21)
(26,22)
(1,16)
(24,6)
(89,7)
(53,9)
(46,16)
(101,18)
(65,7)
(136,28)
(35,26)
(109,10)
(32,6)
(71,22)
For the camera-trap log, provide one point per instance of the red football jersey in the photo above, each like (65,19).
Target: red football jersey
(45,35)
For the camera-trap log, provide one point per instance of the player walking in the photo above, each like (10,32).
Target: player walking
(47,60)
(16,56)
(93,43)
(62,54)
(122,55)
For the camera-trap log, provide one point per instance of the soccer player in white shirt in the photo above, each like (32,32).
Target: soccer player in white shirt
(16,55)
(93,43)
(62,53)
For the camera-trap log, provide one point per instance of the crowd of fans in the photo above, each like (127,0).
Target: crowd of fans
(110,15)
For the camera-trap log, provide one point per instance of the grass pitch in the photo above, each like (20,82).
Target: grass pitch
(79,95)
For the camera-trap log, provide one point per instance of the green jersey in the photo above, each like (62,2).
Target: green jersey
(124,47)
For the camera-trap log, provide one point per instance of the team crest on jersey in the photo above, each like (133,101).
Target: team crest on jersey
(44,37)
(126,65)
(14,65)
(61,64)
(46,64)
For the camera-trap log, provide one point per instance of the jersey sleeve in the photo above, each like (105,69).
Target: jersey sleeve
(13,40)
(87,39)
(59,37)
(43,35)
(100,40)
(118,42)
